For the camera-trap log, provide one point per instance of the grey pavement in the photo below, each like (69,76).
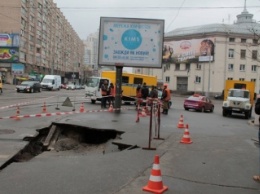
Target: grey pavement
(212,164)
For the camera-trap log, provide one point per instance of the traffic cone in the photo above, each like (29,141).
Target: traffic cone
(147,112)
(181,124)
(17,114)
(143,113)
(186,136)
(155,184)
(44,110)
(111,109)
(81,109)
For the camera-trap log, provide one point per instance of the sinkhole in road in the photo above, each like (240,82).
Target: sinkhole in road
(71,139)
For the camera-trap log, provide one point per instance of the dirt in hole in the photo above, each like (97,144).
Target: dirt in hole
(70,139)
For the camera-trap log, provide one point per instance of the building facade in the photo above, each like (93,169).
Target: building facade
(201,58)
(39,40)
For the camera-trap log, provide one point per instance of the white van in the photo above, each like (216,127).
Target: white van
(51,82)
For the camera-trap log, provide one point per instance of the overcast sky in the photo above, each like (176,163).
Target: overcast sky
(84,15)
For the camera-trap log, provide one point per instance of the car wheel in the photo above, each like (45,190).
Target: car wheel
(186,108)
(212,109)
(202,109)
(40,89)
(32,91)
(93,101)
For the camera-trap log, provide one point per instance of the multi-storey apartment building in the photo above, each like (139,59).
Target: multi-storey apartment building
(201,58)
(38,39)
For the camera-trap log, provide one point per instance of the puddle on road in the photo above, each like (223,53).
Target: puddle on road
(71,139)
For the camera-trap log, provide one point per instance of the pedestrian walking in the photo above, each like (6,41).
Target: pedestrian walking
(257,111)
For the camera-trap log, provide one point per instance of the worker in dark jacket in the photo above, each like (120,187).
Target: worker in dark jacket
(153,92)
(145,93)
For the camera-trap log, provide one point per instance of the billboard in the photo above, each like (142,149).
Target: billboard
(189,51)
(131,42)
(9,40)
(18,69)
(9,54)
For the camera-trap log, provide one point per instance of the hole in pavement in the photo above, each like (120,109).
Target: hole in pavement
(71,139)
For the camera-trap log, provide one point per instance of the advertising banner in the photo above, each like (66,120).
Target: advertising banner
(189,51)
(9,55)
(18,69)
(131,42)
(9,40)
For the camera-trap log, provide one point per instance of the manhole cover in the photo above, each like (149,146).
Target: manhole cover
(6,131)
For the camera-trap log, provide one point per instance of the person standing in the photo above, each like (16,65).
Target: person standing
(138,95)
(257,111)
(112,93)
(144,92)
(153,92)
(104,92)
(166,97)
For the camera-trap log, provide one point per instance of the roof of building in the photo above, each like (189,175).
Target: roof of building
(244,25)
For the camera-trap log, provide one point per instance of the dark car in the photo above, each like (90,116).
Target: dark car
(29,86)
(199,103)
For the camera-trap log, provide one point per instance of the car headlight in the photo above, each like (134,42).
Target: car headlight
(247,106)
(225,104)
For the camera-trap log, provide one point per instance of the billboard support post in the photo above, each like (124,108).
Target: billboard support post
(119,71)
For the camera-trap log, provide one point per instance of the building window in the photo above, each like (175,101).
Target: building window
(187,66)
(241,79)
(230,78)
(243,40)
(242,67)
(253,80)
(254,54)
(255,41)
(230,67)
(253,68)
(231,39)
(167,79)
(38,50)
(197,79)
(231,53)
(243,54)
(177,66)
(198,67)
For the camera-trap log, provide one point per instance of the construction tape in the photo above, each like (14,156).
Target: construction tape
(61,113)
(23,103)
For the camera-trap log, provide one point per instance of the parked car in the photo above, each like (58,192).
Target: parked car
(63,86)
(77,87)
(70,87)
(29,86)
(199,103)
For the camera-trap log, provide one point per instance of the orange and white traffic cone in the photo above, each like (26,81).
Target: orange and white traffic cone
(186,136)
(181,124)
(81,108)
(143,113)
(44,109)
(16,117)
(155,184)
(110,109)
